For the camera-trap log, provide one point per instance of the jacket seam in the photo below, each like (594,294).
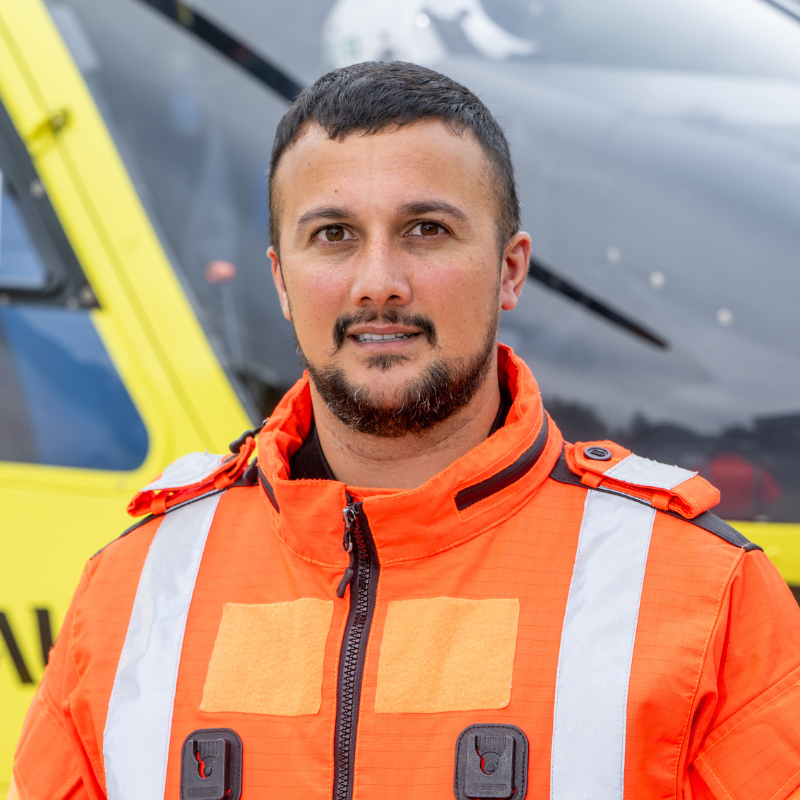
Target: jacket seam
(503,495)
(75,776)
(274,524)
(98,763)
(499,498)
(716,778)
(95,759)
(46,706)
(744,719)
(493,524)
(722,592)
(71,783)
(501,457)
(468,538)
(783,785)
(20,784)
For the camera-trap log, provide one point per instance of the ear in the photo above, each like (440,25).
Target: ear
(514,270)
(280,286)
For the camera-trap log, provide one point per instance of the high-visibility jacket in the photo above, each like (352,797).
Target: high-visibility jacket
(579,593)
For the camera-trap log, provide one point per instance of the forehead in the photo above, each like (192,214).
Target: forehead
(412,162)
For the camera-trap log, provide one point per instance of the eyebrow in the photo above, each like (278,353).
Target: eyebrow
(335,213)
(423,207)
(415,209)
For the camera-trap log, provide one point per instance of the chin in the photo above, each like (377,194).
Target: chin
(385,361)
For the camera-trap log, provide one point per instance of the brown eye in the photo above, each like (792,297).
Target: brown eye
(427,229)
(334,233)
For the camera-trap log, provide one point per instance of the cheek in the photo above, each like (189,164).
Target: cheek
(318,297)
(456,298)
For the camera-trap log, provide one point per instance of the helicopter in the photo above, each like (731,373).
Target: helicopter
(657,149)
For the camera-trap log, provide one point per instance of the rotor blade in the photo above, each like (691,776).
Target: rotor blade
(790,7)
(203,28)
(545,276)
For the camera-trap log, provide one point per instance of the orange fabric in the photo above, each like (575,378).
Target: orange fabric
(689,499)
(716,651)
(158,501)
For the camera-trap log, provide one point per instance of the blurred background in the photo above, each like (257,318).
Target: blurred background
(657,148)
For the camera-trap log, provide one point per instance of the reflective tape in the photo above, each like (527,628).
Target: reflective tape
(139,722)
(186,471)
(594,664)
(644,472)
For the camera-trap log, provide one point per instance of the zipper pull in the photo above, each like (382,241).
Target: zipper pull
(350,525)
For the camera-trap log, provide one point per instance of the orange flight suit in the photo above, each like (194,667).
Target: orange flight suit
(477,599)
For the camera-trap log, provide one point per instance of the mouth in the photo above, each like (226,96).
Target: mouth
(372,332)
(366,338)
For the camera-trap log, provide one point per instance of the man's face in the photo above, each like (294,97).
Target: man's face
(389,266)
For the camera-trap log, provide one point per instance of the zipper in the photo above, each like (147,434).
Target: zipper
(362,577)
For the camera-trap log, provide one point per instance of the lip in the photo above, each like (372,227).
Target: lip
(380,330)
(383,330)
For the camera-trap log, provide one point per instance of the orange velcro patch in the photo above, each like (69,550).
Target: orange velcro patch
(667,488)
(191,476)
(447,654)
(268,658)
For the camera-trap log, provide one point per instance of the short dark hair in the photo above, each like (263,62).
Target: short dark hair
(369,97)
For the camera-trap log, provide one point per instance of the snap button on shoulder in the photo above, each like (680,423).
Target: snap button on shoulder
(597,453)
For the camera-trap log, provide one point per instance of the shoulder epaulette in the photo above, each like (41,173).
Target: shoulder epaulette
(194,475)
(608,467)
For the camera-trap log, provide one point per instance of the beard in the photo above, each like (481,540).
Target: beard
(444,388)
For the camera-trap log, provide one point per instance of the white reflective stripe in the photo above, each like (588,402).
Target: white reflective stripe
(187,470)
(594,663)
(644,472)
(137,733)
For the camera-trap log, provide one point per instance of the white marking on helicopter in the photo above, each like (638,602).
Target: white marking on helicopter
(367,30)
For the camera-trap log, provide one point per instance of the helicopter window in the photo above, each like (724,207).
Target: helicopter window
(61,399)
(20,265)
(64,404)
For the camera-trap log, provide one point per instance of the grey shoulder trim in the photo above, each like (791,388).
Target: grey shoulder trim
(713,524)
(707,521)
(137,524)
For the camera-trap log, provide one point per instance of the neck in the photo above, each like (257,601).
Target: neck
(405,462)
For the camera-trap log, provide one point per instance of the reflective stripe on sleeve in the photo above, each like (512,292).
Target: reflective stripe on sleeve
(588,750)
(139,722)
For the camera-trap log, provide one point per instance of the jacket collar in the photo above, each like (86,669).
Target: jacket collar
(471,496)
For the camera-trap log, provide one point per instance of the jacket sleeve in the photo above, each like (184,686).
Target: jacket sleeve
(50,762)
(745,738)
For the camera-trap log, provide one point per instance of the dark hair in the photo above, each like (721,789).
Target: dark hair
(371,96)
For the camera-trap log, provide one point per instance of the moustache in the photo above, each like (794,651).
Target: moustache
(391,316)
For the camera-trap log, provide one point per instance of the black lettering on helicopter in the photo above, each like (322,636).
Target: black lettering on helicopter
(12,647)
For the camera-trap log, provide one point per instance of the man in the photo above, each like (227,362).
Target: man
(417,589)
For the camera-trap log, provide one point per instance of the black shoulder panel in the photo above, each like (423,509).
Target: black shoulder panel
(713,524)
(707,521)
(563,474)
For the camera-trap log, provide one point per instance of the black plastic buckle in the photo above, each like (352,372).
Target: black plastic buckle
(491,762)
(211,765)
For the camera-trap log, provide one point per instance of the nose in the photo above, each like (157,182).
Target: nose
(380,277)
